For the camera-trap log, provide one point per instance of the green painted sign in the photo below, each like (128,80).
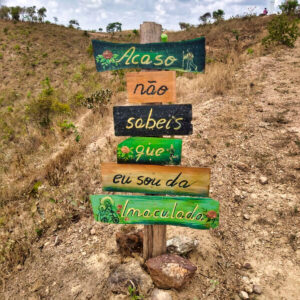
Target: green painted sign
(200,213)
(155,151)
(184,56)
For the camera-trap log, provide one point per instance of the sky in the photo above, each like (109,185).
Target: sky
(95,14)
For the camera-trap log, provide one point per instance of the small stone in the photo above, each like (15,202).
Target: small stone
(170,271)
(249,289)
(93,231)
(242,166)
(247,266)
(127,274)
(83,253)
(257,289)
(129,242)
(160,295)
(19,267)
(246,217)
(243,295)
(57,241)
(181,245)
(263,180)
(236,297)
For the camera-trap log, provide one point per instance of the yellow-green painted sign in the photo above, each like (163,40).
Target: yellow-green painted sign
(184,56)
(148,150)
(200,213)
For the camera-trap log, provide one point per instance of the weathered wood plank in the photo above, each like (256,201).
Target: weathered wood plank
(185,56)
(153,120)
(156,151)
(146,87)
(171,180)
(200,213)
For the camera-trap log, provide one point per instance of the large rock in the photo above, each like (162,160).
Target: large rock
(181,245)
(129,274)
(170,271)
(129,242)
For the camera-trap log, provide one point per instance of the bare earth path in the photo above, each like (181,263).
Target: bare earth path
(253,132)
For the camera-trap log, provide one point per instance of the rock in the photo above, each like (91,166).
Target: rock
(242,166)
(93,231)
(236,297)
(129,242)
(263,180)
(181,245)
(170,271)
(247,266)
(257,289)
(246,217)
(249,289)
(160,295)
(128,274)
(243,295)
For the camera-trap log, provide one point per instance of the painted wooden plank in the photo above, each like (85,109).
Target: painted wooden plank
(200,213)
(171,180)
(150,87)
(148,150)
(185,56)
(153,120)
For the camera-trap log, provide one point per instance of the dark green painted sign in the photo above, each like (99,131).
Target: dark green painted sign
(185,56)
(155,151)
(200,213)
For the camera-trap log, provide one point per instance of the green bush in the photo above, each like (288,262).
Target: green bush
(45,106)
(1,55)
(282,30)
(289,7)
(89,50)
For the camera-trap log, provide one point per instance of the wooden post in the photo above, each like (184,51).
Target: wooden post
(154,235)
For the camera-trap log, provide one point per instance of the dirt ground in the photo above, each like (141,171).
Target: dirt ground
(250,133)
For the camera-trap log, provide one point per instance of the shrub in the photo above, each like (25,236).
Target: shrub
(89,50)
(97,99)
(250,51)
(282,30)
(70,127)
(45,106)
(1,55)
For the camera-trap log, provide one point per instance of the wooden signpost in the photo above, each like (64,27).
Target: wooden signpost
(153,179)
(153,120)
(200,213)
(144,158)
(146,87)
(156,151)
(184,56)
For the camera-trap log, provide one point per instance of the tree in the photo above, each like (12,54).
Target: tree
(15,13)
(289,7)
(184,26)
(31,13)
(4,12)
(218,15)
(55,19)
(73,22)
(100,29)
(204,18)
(41,14)
(114,27)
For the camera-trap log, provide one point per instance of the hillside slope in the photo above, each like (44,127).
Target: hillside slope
(246,125)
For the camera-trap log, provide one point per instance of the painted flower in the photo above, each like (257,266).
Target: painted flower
(107,54)
(126,219)
(125,149)
(120,206)
(211,214)
(118,211)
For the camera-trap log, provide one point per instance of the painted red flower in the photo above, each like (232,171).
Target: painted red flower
(211,214)
(107,54)
(118,211)
(125,149)
(120,206)
(126,219)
